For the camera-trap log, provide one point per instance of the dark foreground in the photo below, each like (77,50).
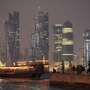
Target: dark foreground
(67,86)
(70,81)
(25,84)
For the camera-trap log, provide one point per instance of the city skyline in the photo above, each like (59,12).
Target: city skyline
(77,12)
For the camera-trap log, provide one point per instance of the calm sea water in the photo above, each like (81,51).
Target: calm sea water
(25,84)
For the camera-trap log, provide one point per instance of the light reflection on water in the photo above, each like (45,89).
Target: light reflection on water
(25,84)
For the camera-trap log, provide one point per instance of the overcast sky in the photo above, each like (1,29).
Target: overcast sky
(77,11)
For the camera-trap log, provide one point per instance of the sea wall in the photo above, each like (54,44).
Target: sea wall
(58,79)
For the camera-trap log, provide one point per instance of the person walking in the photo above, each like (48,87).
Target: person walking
(62,66)
(70,67)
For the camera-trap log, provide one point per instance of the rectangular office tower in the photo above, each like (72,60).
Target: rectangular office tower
(12,38)
(86,47)
(39,45)
(57,32)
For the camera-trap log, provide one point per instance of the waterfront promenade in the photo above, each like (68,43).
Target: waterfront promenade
(70,80)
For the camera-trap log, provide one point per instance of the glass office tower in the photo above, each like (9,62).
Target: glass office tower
(86,36)
(12,38)
(40,44)
(57,32)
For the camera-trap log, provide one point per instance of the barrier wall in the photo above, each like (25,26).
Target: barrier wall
(70,78)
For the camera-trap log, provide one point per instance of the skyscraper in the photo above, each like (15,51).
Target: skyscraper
(12,37)
(6,44)
(86,36)
(40,37)
(67,42)
(0,44)
(57,31)
(80,56)
(34,46)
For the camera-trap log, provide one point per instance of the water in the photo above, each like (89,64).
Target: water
(25,84)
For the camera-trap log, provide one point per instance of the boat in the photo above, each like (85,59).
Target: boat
(33,72)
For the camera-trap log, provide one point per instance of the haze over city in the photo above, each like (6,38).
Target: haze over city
(77,12)
(44,44)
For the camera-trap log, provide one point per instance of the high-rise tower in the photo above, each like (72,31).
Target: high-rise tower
(0,45)
(57,31)
(40,37)
(67,42)
(86,36)
(12,37)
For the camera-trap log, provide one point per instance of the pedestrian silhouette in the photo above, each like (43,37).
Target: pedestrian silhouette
(62,66)
(70,67)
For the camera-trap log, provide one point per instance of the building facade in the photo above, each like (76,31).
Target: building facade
(12,38)
(86,50)
(39,45)
(67,42)
(80,56)
(35,46)
(57,31)
(0,45)
(63,44)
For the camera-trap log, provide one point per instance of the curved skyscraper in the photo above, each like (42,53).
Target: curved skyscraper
(86,36)
(67,42)
(12,38)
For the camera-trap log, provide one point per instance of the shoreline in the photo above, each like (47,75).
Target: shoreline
(70,81)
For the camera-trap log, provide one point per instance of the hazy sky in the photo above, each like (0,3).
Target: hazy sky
(77,11)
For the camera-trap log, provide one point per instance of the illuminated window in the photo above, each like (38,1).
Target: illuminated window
(67,42)
(67,54)
(67,30)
